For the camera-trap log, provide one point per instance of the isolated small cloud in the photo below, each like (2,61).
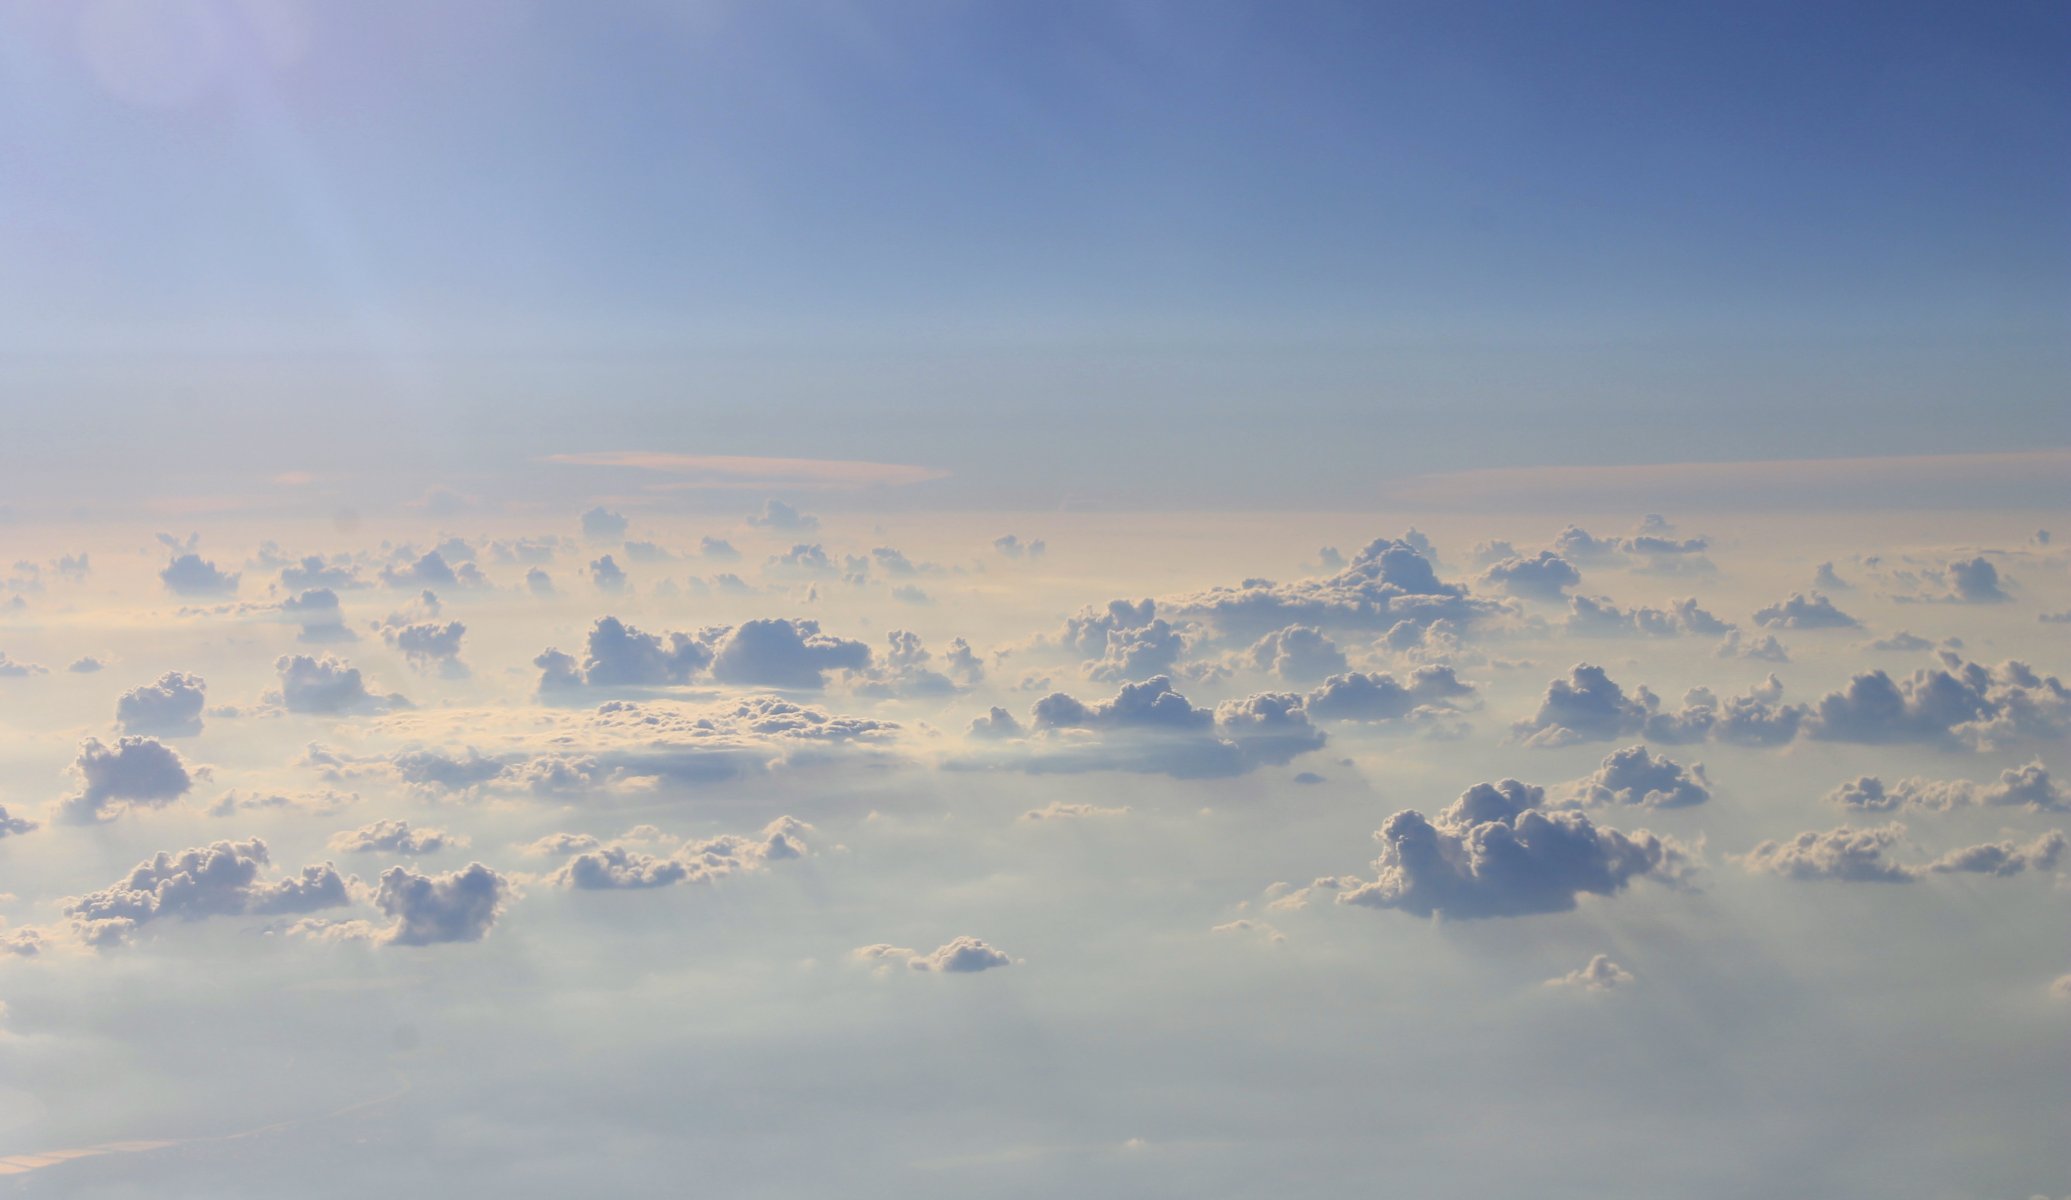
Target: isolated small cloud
(781,517)
(1600,974)
(171,707)
(329,686)
(602,525)
(1802,611)
(393,837)
(191,575)
(459,906)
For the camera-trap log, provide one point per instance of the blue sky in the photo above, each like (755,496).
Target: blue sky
(1733,231)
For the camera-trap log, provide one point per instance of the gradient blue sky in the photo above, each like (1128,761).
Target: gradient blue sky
(903,230)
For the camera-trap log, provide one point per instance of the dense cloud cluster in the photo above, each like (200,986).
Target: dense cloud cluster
(222,879)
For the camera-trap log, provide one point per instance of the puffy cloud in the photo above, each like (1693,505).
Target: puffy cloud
(1856,855)
(1493,853)
(784,653)
(960,956)
(2003,858)
(459,906)
(135,772)
(319,614)
(1590,706)
(602,525)
(617,655)
(1598,617)
(11,826)
(777,515)
(314,574)
(1600,974)
(1632,776)
(327,685)
(612,865)
(1298,653)
(221,879)
(1958,703)
(1544,576)
(2028,786)
(607,576)
(1388,582)
(1801,611)
(717,550)
(86,665)
(191,575)
(1150,727)
(431,570)
(1976,581)
(1763,649)
(1012,546)
(1849,854)
(428,645)
(393,837)
(538,582)
(1369,696)
(170,707)
(1059,810)
(10,669)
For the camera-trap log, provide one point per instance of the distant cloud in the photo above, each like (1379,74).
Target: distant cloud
(191,575)
(781,517)
(393,837)
(1600,974)
(615,865)
(2028,786)
(1544,576)
(327,685)
(1857,855)
(459,906)
(740,471)
(1801,611)
(603,525)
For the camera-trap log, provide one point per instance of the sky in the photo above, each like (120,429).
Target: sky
(1151,599)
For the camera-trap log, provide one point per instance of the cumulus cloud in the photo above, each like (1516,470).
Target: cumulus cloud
(315,574)
(615,865)
(12,826)
(600,524)
(327,685)
(1857,855)
(1149,727)
(607,576)
(1298,653)
(1012,546)
(191,575)
(319,614)
(1377,696)
(431,570)
(960,956)
(784,653)
(393,837)
(459,906)
(1600,974)
(616,655)
(1598,617)
(777,515)
(1388,582)
(1763,649)
(1958,703)
(1494,853)
(170,707)
(1544,576)
(11,669)
(1802,611)
(221,879)
(2028,786)
(136,772)
(1633,776)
